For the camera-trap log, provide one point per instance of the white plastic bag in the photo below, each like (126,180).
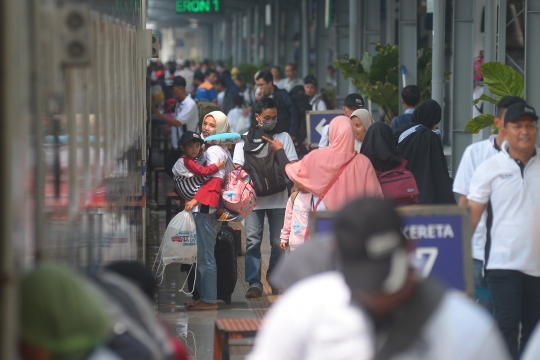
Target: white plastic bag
(179,243)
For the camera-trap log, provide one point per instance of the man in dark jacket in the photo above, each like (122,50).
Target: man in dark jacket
(287,112)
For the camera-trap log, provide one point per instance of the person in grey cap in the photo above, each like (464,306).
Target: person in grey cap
(352,102)
(375,306)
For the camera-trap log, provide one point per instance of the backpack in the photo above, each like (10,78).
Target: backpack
(399,185)
(238,193)
(266,176)
(205,107)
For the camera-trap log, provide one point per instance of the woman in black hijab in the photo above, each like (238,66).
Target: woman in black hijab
(378,146)
(422,148)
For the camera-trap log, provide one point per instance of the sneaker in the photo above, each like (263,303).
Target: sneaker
(202,306)
(253,292)
(226,216)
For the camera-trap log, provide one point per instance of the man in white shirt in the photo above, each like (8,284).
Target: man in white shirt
(375,306)
(311,89)
(473,157)
(507,184)
(187,74)
(290,80)
(272,206)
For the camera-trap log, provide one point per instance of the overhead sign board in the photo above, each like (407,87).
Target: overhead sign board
(442,235)
(199,6)
(316,121)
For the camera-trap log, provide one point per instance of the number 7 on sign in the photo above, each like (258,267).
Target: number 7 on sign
(431,254)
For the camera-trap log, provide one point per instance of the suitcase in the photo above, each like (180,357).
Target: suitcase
(237,234)
(227,272)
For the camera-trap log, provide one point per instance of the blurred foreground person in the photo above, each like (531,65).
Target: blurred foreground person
(375,306)
(61,318)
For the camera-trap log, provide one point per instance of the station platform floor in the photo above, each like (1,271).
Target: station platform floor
(196,328)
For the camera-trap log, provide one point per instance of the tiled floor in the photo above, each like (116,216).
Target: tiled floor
(196,328)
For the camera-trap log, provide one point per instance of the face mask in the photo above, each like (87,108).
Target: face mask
(268,125)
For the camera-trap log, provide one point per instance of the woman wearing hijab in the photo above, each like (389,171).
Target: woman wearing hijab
(317,170)
(204,210)
(361,120)
(60,317)
(422,148)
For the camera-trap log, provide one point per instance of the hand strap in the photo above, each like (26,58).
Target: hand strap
(321,197)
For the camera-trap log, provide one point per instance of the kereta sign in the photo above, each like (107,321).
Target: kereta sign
(199,6)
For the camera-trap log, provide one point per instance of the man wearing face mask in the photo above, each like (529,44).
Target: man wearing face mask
(254,154)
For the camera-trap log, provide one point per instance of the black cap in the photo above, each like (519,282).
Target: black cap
(371,247)
(517,110)
(310,79)
(354,100)
(189,136)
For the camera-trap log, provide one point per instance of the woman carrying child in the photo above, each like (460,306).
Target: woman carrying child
(204,206)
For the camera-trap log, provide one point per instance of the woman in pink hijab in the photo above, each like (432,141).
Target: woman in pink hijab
(319,168)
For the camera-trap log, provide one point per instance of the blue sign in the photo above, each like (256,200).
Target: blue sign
(442,237)
(316,121)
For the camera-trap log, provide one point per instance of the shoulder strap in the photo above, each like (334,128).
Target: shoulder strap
(406,329)
(321,197)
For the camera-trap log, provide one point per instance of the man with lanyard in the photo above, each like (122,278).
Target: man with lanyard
(352,102)
(287,111)
(507,184)
(410,98)
(473,157)
(373,304)
(186,113)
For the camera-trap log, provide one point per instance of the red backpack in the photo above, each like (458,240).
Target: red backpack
(399,185)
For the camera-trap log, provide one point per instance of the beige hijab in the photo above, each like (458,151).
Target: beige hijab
(222,123)
(364,116)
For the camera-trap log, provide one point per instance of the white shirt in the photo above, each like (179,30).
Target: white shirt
(317,103)
(237,121)
(220,97)
(329,327)
(473,156)
(188,75)
(515,200)
(286,84)
(279,200)
(188,114)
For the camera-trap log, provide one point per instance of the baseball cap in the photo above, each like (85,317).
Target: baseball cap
(354,99)
(310,79)
(371,248)
(189,136)
(517,110)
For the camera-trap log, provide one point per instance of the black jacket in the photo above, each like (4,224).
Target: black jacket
(287,113)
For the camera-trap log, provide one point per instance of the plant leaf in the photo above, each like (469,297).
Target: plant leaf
(478,123)
(484,97)
(502,79)
(384,95)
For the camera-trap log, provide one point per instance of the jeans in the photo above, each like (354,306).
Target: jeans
(206,282)
(254,233)
(482,293)
(516,299)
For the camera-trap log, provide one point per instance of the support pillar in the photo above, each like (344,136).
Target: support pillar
(372,24)
(276,34)
(290,29)
(390,20)
(501,32)
(304,44)
(353,35)
(257,32)
(532,54)
(342,32)
(234,40)
(437,81)
(240,37)
(462,76)
(490,52)
(249,48)
(322,41)
(407,45)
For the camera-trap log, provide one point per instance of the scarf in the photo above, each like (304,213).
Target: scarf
(59,313)
(378,147)
(253,141)
(318,168)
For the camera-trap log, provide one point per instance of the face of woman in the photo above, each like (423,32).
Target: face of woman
(359,129)
(209,126)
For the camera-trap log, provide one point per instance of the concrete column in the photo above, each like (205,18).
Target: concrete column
(490,52)
(437,81)
(353,35)
(532,54)
(462,76)
(234,40)
(249,49)
(322,41)
(257,32)
(276,33)
(304,44)
(292,10)
(407,44)
(240,37)
(342,32)
(501,32)
(390,19)
(372,24)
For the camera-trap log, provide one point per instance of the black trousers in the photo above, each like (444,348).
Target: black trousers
(516,300)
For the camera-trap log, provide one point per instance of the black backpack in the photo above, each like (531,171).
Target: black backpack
(266,175)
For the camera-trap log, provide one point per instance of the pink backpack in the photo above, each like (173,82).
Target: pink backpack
(238,193)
